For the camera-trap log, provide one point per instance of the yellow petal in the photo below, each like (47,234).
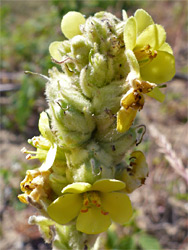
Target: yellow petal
(77,188)
(132,183)
(108,185)
(124,15)
(118,205)
(143,86)
(65,208)
(140,167)
(167,48)
(133,64)
(154,35)
(157,94)
(55,51)
(143,20)
(130,33)
(70,24)
(23,198)
(93,221)
(44,126)
(159,70)
(128,99)
(125,118)
(49,159)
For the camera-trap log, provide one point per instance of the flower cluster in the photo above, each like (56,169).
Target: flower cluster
(105,69)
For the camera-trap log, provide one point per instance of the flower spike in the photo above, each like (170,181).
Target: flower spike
(106,69)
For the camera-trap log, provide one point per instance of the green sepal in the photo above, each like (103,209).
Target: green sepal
(157,94)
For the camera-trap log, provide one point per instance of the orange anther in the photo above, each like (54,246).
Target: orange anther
(86,202)
(84,210)
(28,157)
(104,213)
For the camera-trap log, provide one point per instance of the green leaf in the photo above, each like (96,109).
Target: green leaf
(127,243)
(112,239)
(148,242)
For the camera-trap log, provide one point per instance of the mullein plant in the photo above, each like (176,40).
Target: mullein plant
(87,138)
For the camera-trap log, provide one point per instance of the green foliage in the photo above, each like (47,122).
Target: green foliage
(28,46)
(6,174)
(135,239)
(26,50)
(148,242)
(90,7)
(10,196)
(127,243)
(18,205)
(24,101)
(112,239)
(183,197)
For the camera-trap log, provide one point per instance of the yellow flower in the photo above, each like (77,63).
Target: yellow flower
(133,100)
(93,206)
(135,174)
(34,185)
(148,42)
(125,118)
(46,147)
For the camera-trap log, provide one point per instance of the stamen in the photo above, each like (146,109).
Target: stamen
(86,200)
(84,210)
(145,54)
(35,142)
(31,152)
(96,199)
(28,157)
(143,86)
(96,203)
(90,199)
(104,212)
(30,186)
(24,150)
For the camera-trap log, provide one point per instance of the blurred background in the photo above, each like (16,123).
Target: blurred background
(160,219)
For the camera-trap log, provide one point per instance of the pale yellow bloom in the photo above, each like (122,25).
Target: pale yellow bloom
(35,185)
(94,206)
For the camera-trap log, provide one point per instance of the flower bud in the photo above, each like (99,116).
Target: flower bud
(70,24)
